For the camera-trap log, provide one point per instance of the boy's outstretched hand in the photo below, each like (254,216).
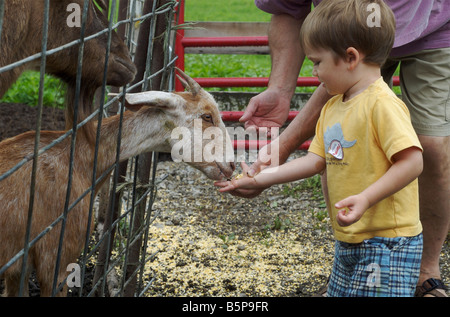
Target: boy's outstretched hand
(240,181)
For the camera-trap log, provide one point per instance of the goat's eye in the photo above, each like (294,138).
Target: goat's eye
(207,118)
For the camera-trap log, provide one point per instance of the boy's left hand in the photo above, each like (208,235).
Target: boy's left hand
(351,209)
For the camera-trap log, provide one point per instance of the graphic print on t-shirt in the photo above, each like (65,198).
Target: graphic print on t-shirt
(334,141)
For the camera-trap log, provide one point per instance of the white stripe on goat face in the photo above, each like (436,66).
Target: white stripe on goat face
(210,143)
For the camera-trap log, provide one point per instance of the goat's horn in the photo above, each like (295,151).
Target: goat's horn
(188,82)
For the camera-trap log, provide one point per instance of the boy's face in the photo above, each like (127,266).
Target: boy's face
(331,71)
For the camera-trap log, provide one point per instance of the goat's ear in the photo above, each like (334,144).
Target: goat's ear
(156,99)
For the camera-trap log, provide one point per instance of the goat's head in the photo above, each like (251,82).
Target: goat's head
(192,129)
(121,69)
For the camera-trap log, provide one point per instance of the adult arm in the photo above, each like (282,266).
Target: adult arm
(271,107)
(298,131)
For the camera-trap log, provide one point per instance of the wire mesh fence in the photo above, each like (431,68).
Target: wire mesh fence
(80,35)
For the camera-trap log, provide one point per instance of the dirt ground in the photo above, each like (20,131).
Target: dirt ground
(212,244)
(18,118)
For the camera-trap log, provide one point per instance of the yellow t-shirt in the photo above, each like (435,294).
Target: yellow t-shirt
(358,139)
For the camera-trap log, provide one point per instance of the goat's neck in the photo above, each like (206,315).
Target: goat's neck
(140,134)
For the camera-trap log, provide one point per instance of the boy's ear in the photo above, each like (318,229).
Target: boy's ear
(353,58)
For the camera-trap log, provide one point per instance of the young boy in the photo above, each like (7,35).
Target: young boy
(368,148)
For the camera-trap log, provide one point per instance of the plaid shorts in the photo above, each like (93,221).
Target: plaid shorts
(378,267)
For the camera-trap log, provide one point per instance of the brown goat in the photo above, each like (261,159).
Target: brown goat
(22,36)
(149,126)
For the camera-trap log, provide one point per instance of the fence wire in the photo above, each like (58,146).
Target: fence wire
(113,260)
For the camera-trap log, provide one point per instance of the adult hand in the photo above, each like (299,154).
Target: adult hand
(268,109)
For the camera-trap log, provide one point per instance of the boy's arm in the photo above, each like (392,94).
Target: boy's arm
(407,166)
(299,168)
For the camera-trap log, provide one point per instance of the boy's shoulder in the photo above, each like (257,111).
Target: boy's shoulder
(379,94)
(380,87)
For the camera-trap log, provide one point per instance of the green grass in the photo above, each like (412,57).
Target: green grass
(224,10)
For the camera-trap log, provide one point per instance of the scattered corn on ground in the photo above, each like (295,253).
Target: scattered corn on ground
(213,244)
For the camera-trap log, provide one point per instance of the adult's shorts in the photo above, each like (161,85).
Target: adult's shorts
(425,88)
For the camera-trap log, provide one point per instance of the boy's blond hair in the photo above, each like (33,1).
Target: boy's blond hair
(366,25)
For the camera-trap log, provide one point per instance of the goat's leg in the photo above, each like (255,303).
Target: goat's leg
(12,285)
(47,288)
(45,276)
